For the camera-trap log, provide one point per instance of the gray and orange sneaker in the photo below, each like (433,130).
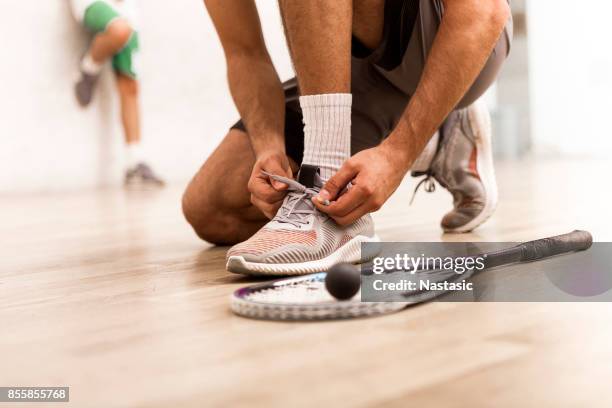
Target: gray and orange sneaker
(300,239)
(462,162)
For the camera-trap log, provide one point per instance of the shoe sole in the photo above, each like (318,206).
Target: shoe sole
(349,252)
(482,120)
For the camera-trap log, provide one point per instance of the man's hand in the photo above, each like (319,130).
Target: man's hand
(374,174)
(266,194)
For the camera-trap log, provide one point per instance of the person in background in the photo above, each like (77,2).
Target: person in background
(113,23)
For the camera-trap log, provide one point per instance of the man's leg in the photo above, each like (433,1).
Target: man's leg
(217,203)
(319,37)
(462,162)
(460,155)
(300,239)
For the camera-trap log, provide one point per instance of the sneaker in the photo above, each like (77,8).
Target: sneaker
(300,239)
(84,88)
(142,175)
(463,164)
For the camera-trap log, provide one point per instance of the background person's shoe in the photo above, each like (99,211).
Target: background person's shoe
(300,239)
(142,176)
(84,88)
(463,164)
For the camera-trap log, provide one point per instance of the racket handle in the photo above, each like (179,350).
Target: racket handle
(543,248)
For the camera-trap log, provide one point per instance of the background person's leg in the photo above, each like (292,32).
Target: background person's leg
(114,37)
(128,87)
(112,40)
(137,170)
(130,109)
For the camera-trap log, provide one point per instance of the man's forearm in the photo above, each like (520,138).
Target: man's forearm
(467,34)
(258,95)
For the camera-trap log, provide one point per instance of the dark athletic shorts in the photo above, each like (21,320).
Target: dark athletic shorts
(383,80)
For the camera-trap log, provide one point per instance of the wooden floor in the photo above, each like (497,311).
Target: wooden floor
(110,293)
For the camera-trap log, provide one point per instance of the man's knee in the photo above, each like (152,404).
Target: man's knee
(120,32)
(201,218)
(208,222)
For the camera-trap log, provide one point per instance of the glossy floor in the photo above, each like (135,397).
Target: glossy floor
(110,293)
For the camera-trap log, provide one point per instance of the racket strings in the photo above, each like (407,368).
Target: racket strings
(299,292)
(305,299)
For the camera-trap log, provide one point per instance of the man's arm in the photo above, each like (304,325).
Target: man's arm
(467,34)
(253,81)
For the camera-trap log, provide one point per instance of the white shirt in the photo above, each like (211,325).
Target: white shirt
(127,8)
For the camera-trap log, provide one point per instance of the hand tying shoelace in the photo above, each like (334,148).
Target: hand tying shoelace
(297,205)
(300,239)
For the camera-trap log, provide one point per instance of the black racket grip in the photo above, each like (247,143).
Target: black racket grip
(543,248)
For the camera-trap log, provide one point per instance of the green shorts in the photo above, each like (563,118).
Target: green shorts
(97,18)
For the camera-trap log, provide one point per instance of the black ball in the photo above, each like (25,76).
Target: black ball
(343,281)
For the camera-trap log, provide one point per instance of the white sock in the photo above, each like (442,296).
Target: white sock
(89,66)
(327,131)
(134,155)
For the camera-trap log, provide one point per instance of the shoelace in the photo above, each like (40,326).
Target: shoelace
(298,193)
(430,186)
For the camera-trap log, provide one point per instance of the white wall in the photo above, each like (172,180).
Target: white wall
(48,143)
(570,61)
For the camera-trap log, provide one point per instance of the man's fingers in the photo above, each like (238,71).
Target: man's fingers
(260,186)
(337,182)
(353,198)
(278,185)
(277,169)
(353,216)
